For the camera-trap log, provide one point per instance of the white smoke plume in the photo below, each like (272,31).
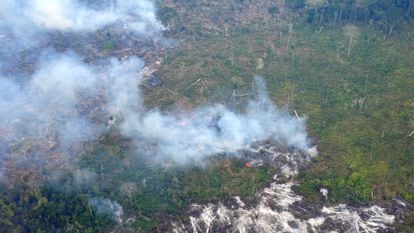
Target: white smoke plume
(66,101)
(28,25)
(63,103)
(76,15)
(109,207)
(54,96)
(215,129)
(55,99)
(48,99)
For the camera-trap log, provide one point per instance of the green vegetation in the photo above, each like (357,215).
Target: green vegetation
(352,80)
(24,209)
(348,67)
(146,191)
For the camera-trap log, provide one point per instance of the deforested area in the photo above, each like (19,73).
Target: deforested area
(206,116)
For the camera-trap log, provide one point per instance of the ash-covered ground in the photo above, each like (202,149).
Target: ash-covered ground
(278,208)
(72,73)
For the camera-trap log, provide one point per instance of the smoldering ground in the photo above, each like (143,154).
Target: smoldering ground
(61,90)
(64,101)
(215,129)
(52,101)
(67,102)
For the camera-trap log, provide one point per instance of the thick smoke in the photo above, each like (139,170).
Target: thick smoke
(45,115)
(215,129)
(49,100)
(21,17)
(27,25)
(60,95)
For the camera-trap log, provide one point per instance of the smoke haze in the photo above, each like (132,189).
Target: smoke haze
(215,129)
(21,17)
(106,206)
(65,101)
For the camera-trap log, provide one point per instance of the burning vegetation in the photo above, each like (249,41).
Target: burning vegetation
(116,118)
